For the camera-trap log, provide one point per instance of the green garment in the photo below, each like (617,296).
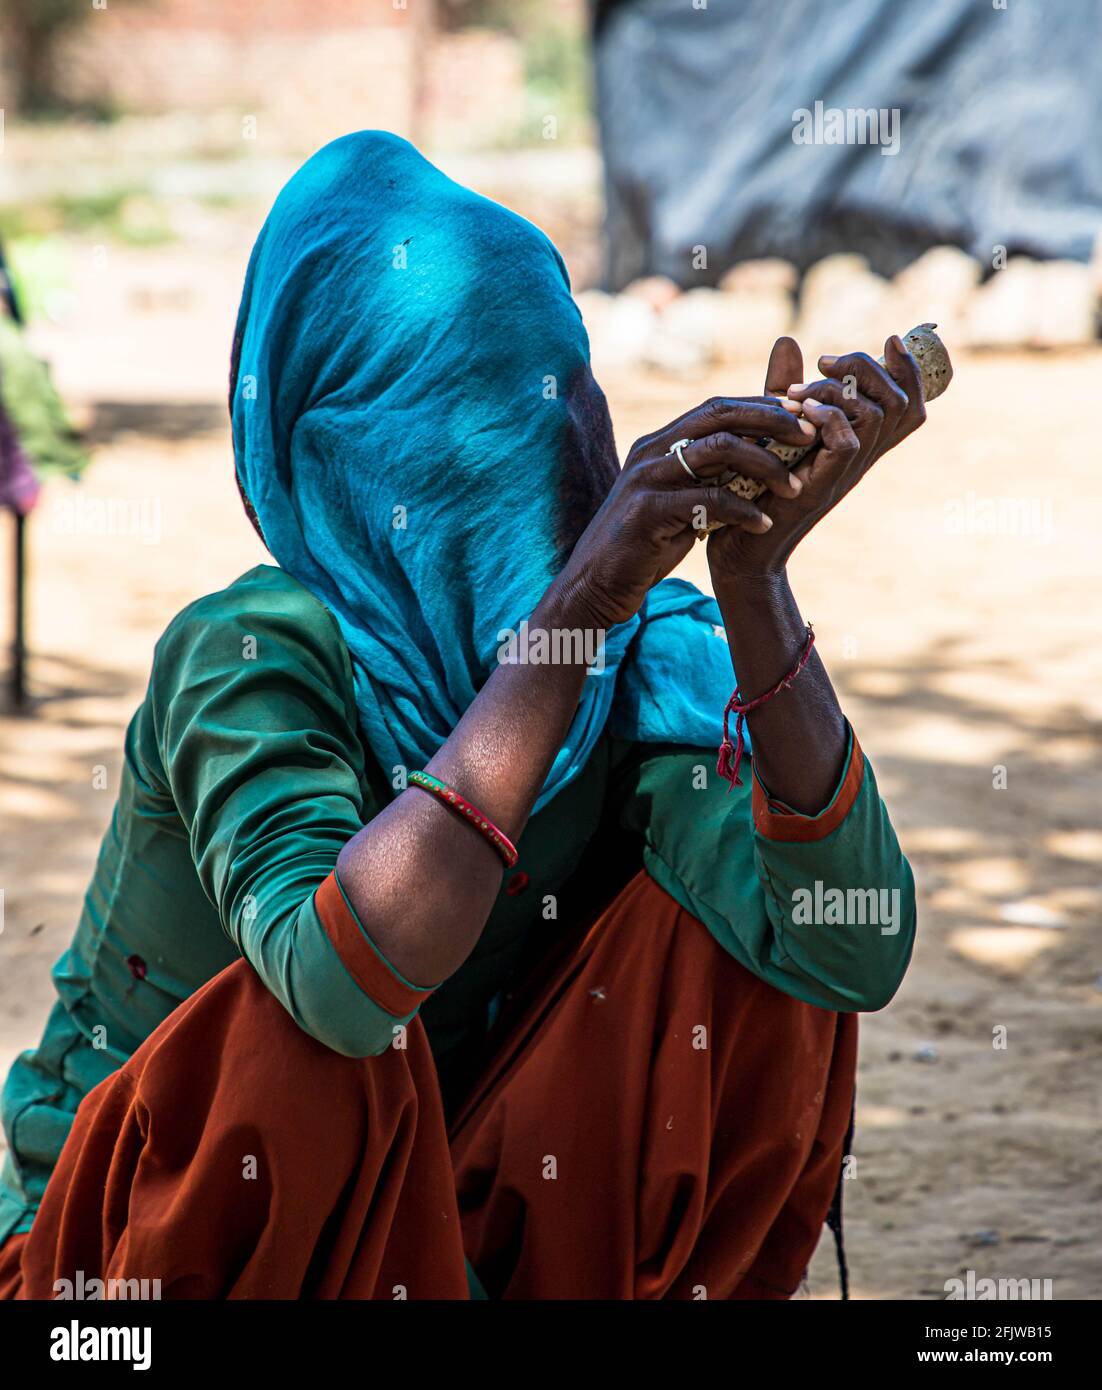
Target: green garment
(243,778)
(34,408)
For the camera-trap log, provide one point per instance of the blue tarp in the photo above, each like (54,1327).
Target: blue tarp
(999,130)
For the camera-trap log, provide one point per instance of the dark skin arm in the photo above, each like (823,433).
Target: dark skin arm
(861,410)
(421,881)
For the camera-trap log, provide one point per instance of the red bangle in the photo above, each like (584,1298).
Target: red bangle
(462,807)
(730,756)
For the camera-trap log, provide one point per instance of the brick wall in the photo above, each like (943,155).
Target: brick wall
(246,17)
(307,69)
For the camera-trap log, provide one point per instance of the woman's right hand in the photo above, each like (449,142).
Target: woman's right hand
(655,511)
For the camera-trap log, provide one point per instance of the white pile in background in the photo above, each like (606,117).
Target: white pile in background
(841,305)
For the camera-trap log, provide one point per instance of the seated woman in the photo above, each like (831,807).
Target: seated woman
(322,1032)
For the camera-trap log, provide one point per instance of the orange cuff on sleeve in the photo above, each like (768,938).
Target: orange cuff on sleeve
(361,957)
(775,822)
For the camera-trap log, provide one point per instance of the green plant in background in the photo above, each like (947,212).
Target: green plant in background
(130,215)
(556,78)
(554,45)
(31,30)
(39,270)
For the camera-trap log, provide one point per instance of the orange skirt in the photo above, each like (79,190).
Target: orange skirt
(658,1124)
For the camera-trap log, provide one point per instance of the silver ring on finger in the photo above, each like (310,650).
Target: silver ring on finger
(677,449)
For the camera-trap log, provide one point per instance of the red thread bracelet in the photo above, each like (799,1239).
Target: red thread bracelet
(462,807)
(730,755)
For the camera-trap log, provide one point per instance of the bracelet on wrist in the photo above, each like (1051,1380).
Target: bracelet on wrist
(458,803)
(730,754)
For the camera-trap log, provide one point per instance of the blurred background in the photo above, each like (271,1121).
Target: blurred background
(716,173)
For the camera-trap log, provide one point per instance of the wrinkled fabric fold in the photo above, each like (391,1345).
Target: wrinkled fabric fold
(408,353)
(658,1123)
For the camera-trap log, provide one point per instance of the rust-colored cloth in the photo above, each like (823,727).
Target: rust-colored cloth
(234,1156)
(659,1123)
(663,1124)
(11,1274)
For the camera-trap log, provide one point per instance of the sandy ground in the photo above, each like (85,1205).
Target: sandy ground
(960,647)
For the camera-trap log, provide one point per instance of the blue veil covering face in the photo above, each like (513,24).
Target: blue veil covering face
(400,410)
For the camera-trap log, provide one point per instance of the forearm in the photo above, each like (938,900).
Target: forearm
(422,881)
(799,736)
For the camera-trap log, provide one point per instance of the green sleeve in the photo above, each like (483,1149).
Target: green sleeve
(820,907)
(254,721)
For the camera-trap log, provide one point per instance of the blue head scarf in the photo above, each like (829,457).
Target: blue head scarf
(399,417)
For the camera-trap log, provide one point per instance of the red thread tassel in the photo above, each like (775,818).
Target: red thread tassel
(730,755)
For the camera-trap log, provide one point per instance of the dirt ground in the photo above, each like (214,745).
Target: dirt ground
(956,603)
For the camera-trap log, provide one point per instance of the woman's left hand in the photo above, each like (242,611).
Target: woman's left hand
(862,410)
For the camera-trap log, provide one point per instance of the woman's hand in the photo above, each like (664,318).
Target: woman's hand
(655,511)
(861,410)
